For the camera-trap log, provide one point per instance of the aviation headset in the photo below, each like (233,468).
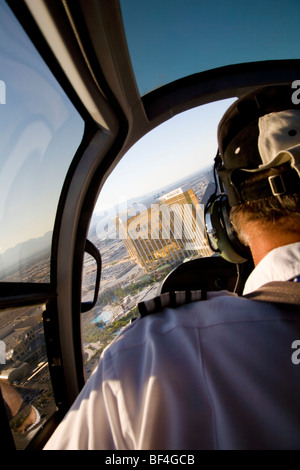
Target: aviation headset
(259,131)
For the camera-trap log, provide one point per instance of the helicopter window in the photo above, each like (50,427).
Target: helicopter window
(148,220)
(40,131)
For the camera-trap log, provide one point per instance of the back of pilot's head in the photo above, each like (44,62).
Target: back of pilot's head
(259,159)
(259,132)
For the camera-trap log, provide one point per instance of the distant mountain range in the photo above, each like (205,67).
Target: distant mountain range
(36,248)
(28,251)
(145,198)
(102,220)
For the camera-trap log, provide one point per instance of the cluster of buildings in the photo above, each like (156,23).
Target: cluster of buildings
(24,345)
(168,231)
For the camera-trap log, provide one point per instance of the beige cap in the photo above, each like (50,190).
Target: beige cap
(279,139)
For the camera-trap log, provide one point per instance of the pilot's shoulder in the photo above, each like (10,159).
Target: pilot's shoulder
(170,300)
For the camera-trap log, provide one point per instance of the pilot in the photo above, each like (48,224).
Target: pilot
(222,372)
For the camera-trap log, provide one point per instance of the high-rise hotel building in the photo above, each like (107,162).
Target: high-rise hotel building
(168,231)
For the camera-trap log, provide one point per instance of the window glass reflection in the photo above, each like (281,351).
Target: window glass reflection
(40,131)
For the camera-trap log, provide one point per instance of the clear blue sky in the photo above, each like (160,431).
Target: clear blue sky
(169,39)
(188,36)
(181,146)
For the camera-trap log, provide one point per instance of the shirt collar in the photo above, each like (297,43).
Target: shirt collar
(281,264)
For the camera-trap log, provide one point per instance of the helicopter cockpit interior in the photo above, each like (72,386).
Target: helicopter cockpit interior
(86,87)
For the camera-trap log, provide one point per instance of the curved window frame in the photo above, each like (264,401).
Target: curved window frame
(113,86)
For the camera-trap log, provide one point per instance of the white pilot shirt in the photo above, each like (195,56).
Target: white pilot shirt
(280,264)
(213,374)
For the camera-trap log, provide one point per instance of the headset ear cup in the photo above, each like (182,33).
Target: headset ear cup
(239,248)
(229,246)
